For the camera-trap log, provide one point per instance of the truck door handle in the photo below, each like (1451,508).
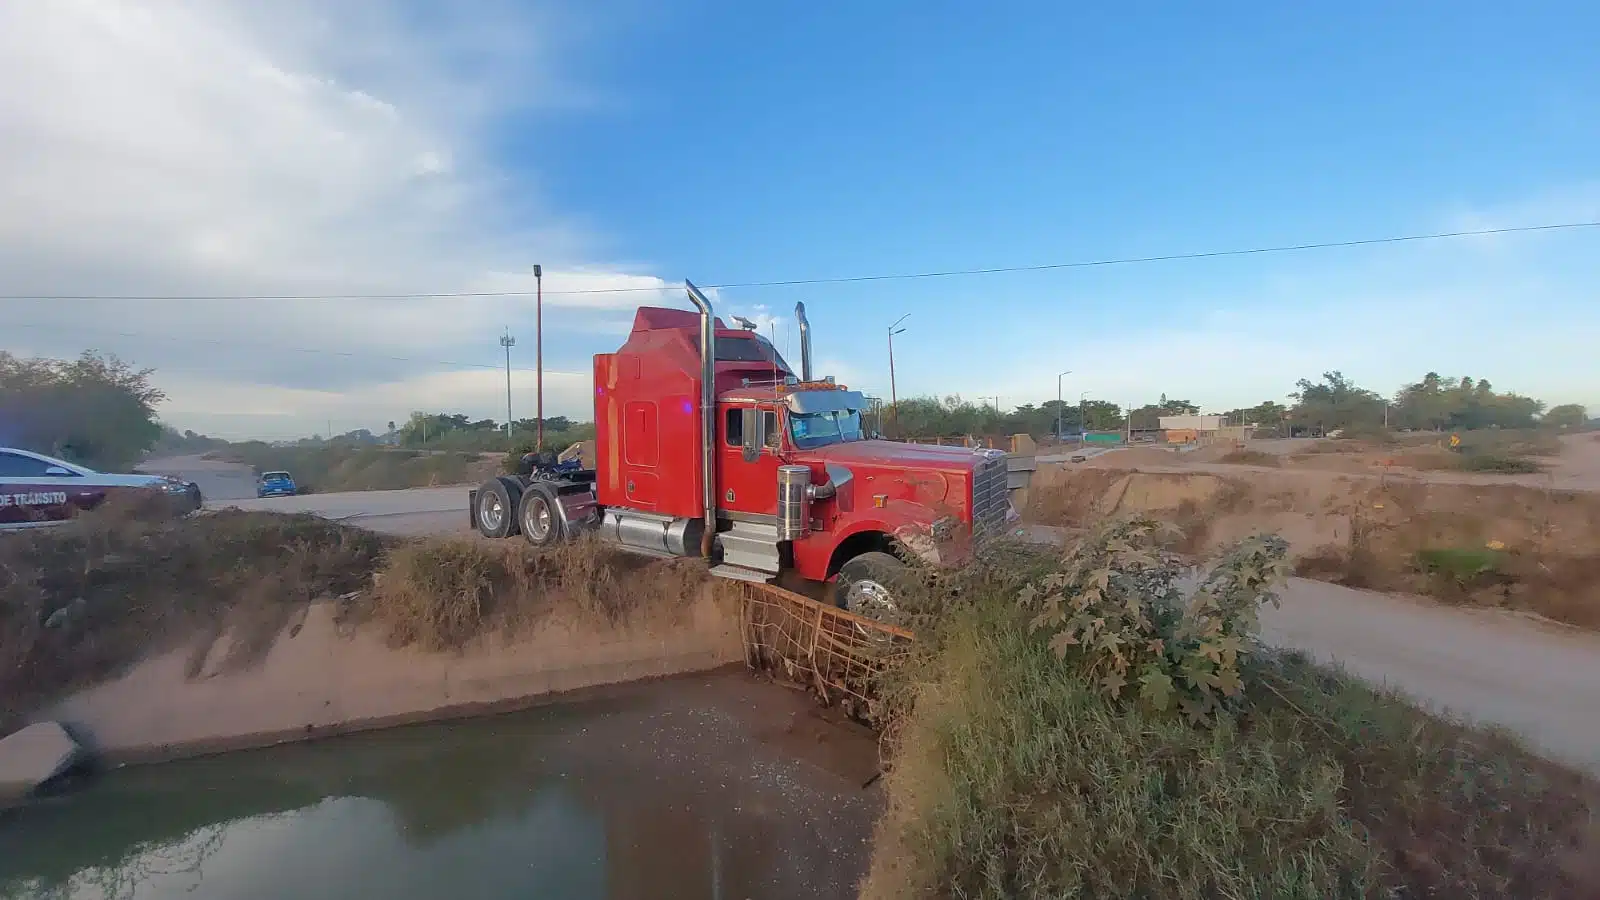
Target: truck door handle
(630,485)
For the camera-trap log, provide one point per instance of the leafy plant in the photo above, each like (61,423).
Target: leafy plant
(1116,607)
(1462,568)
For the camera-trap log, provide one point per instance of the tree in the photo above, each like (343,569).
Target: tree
(1268,413)
(1437,403)
(1567,415)
(1148,417)
(1335,402)
(1422,405)
(1103,415)
(95,409)
(1178,407)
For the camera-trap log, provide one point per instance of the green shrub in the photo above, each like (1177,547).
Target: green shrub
(1013,775)
(1463,565)
(1116,606)
(1499,464)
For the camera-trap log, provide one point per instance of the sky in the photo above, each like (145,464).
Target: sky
(168,156)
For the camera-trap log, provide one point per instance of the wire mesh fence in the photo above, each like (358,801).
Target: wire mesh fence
(835,653)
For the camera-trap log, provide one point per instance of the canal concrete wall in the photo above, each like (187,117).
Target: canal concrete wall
(321,678)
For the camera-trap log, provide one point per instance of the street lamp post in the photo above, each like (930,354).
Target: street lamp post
(1058,402)
(507,341)
(894,399)
(538,350)
(1083,418)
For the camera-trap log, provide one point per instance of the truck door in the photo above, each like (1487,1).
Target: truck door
(748,458)
(640,452)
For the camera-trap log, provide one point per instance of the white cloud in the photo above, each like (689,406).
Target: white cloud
(232,409)
(232,148)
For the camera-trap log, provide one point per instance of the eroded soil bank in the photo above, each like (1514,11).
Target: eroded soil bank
(1500,545)
(697,786)
(320,677)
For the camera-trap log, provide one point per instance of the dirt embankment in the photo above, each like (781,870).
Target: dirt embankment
(1533,458)
(1500,545)
(233,629)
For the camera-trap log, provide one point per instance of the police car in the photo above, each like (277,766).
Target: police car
(38,490)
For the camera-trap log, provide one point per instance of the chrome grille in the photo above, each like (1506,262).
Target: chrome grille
(989,500)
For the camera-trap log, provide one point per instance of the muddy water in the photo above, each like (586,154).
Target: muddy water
(710,787)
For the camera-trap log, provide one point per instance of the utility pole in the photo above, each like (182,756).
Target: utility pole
(1083,418)
(538,354)
(1058,401)
(894,400)
(507,341)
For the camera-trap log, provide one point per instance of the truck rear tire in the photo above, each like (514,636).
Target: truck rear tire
(538,517)
(869,584)
(495,508)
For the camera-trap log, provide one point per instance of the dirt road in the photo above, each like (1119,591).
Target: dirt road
(1535,678)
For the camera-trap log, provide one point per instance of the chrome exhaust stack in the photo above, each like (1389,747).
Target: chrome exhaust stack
(708,414)
(805,342)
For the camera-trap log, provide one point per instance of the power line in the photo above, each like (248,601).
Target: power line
(854,279)
(350,354)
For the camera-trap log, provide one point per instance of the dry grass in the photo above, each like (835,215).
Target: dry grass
(1546,561)
(1069,499)
(442,595)
(1250,458)
(1500,546)
(83,601)
(1013,778)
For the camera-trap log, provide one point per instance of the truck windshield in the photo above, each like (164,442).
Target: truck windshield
(813,430)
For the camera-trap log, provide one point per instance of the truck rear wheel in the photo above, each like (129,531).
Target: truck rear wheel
(537,515)
(869,584)
(496,512)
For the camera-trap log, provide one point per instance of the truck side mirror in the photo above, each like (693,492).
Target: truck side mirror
(753,438)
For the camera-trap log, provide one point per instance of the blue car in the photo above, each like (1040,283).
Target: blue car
(275,484)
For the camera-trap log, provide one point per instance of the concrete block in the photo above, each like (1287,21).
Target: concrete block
(33,756)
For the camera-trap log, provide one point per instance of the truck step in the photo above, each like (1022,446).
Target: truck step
(740,573)
(751,545)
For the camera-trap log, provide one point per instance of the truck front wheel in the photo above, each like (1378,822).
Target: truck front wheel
(869,584)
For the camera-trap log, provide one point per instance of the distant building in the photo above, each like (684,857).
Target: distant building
(1192,429)
(1191,423)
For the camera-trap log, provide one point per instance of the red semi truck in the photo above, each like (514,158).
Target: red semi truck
(707,444)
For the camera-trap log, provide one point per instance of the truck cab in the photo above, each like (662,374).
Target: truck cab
(733,456)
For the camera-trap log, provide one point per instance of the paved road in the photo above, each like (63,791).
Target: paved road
(1533,677)
(226,485)
(217,480)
